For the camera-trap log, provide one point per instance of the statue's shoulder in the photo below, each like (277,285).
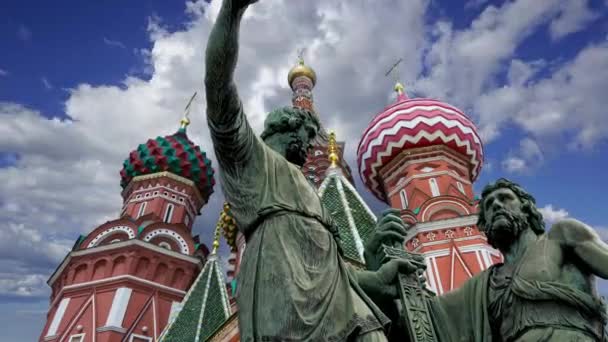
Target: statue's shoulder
(571,231)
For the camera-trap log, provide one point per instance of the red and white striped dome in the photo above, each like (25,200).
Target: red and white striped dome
(412,123)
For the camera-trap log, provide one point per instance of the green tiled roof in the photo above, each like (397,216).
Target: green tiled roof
(354,219)
(205,307)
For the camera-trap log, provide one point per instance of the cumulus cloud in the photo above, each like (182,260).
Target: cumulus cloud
(47,84)
(569,100)
(574,16)
(64,181)
(526,158)
(552,215)
(114,43)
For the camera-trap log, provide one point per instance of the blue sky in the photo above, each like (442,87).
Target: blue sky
(82,83)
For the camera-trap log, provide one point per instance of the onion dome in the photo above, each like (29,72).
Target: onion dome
(413,123)
(301,69)
(174,153)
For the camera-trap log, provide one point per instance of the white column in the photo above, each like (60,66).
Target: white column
(58,317)
(119,307)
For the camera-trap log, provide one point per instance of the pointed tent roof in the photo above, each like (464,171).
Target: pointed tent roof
(204,309)
(206,306)
(353,217)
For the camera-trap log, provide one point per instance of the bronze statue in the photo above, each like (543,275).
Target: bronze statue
(544,290)
(293,283)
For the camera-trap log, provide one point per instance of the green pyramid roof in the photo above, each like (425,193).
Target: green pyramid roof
(204,309)
(353,217)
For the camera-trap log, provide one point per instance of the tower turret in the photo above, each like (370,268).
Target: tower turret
(422,156)
(302,79)
(121,281)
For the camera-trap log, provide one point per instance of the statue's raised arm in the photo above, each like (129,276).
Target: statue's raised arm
(221,57)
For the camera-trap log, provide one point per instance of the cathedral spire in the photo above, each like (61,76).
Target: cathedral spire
(185,121)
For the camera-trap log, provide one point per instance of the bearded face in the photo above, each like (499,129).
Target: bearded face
(297,150)
(505,228)
(504,219)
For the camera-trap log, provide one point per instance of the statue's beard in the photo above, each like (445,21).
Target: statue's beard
(505,228)
(296,151)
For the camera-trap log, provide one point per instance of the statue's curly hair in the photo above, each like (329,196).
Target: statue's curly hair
(287,119)
(535,218)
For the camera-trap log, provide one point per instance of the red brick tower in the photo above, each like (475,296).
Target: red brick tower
(302,80)
(422,156)
(122,280)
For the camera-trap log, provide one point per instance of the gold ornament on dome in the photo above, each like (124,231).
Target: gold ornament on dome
(301,69)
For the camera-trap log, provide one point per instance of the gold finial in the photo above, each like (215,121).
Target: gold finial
(333,149)
(399,88)
(185,121)
(301,69)
(301,56)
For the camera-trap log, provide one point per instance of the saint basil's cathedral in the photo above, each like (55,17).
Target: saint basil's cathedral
(145,277)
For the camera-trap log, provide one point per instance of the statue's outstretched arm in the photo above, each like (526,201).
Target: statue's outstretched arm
(221,57)
(585,243)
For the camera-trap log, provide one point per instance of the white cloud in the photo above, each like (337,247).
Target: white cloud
(526,158)
(570,100)
(574,16)
(3,72)
(47,84)
(65,180)
(114,43)
(552,215)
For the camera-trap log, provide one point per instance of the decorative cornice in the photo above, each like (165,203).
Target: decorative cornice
(168,175)
(117,245)
(422,227)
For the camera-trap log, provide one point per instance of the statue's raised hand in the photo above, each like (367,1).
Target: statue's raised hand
(390,231)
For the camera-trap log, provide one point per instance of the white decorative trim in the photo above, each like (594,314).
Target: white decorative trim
(434,187)
(190,208)
(430,275)
(482,265)
(117,245)
(431,121)
(445,241)
(58,317)
(77,338)
(454,256)
(222,281)
(116,329)
(426,217)
(426,160)
(142,209)
(426,175)
(119,307)
(121,277)
(168,212)
(101,236)
(184,249)
(204,302)
(456,222)
(436,272)
(145,338)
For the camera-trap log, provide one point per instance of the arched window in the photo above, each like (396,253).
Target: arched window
(460,187)
(142,209)
(115,241)
(434,187)
(165,245)
(318,153)
(168,213)
(403,196)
